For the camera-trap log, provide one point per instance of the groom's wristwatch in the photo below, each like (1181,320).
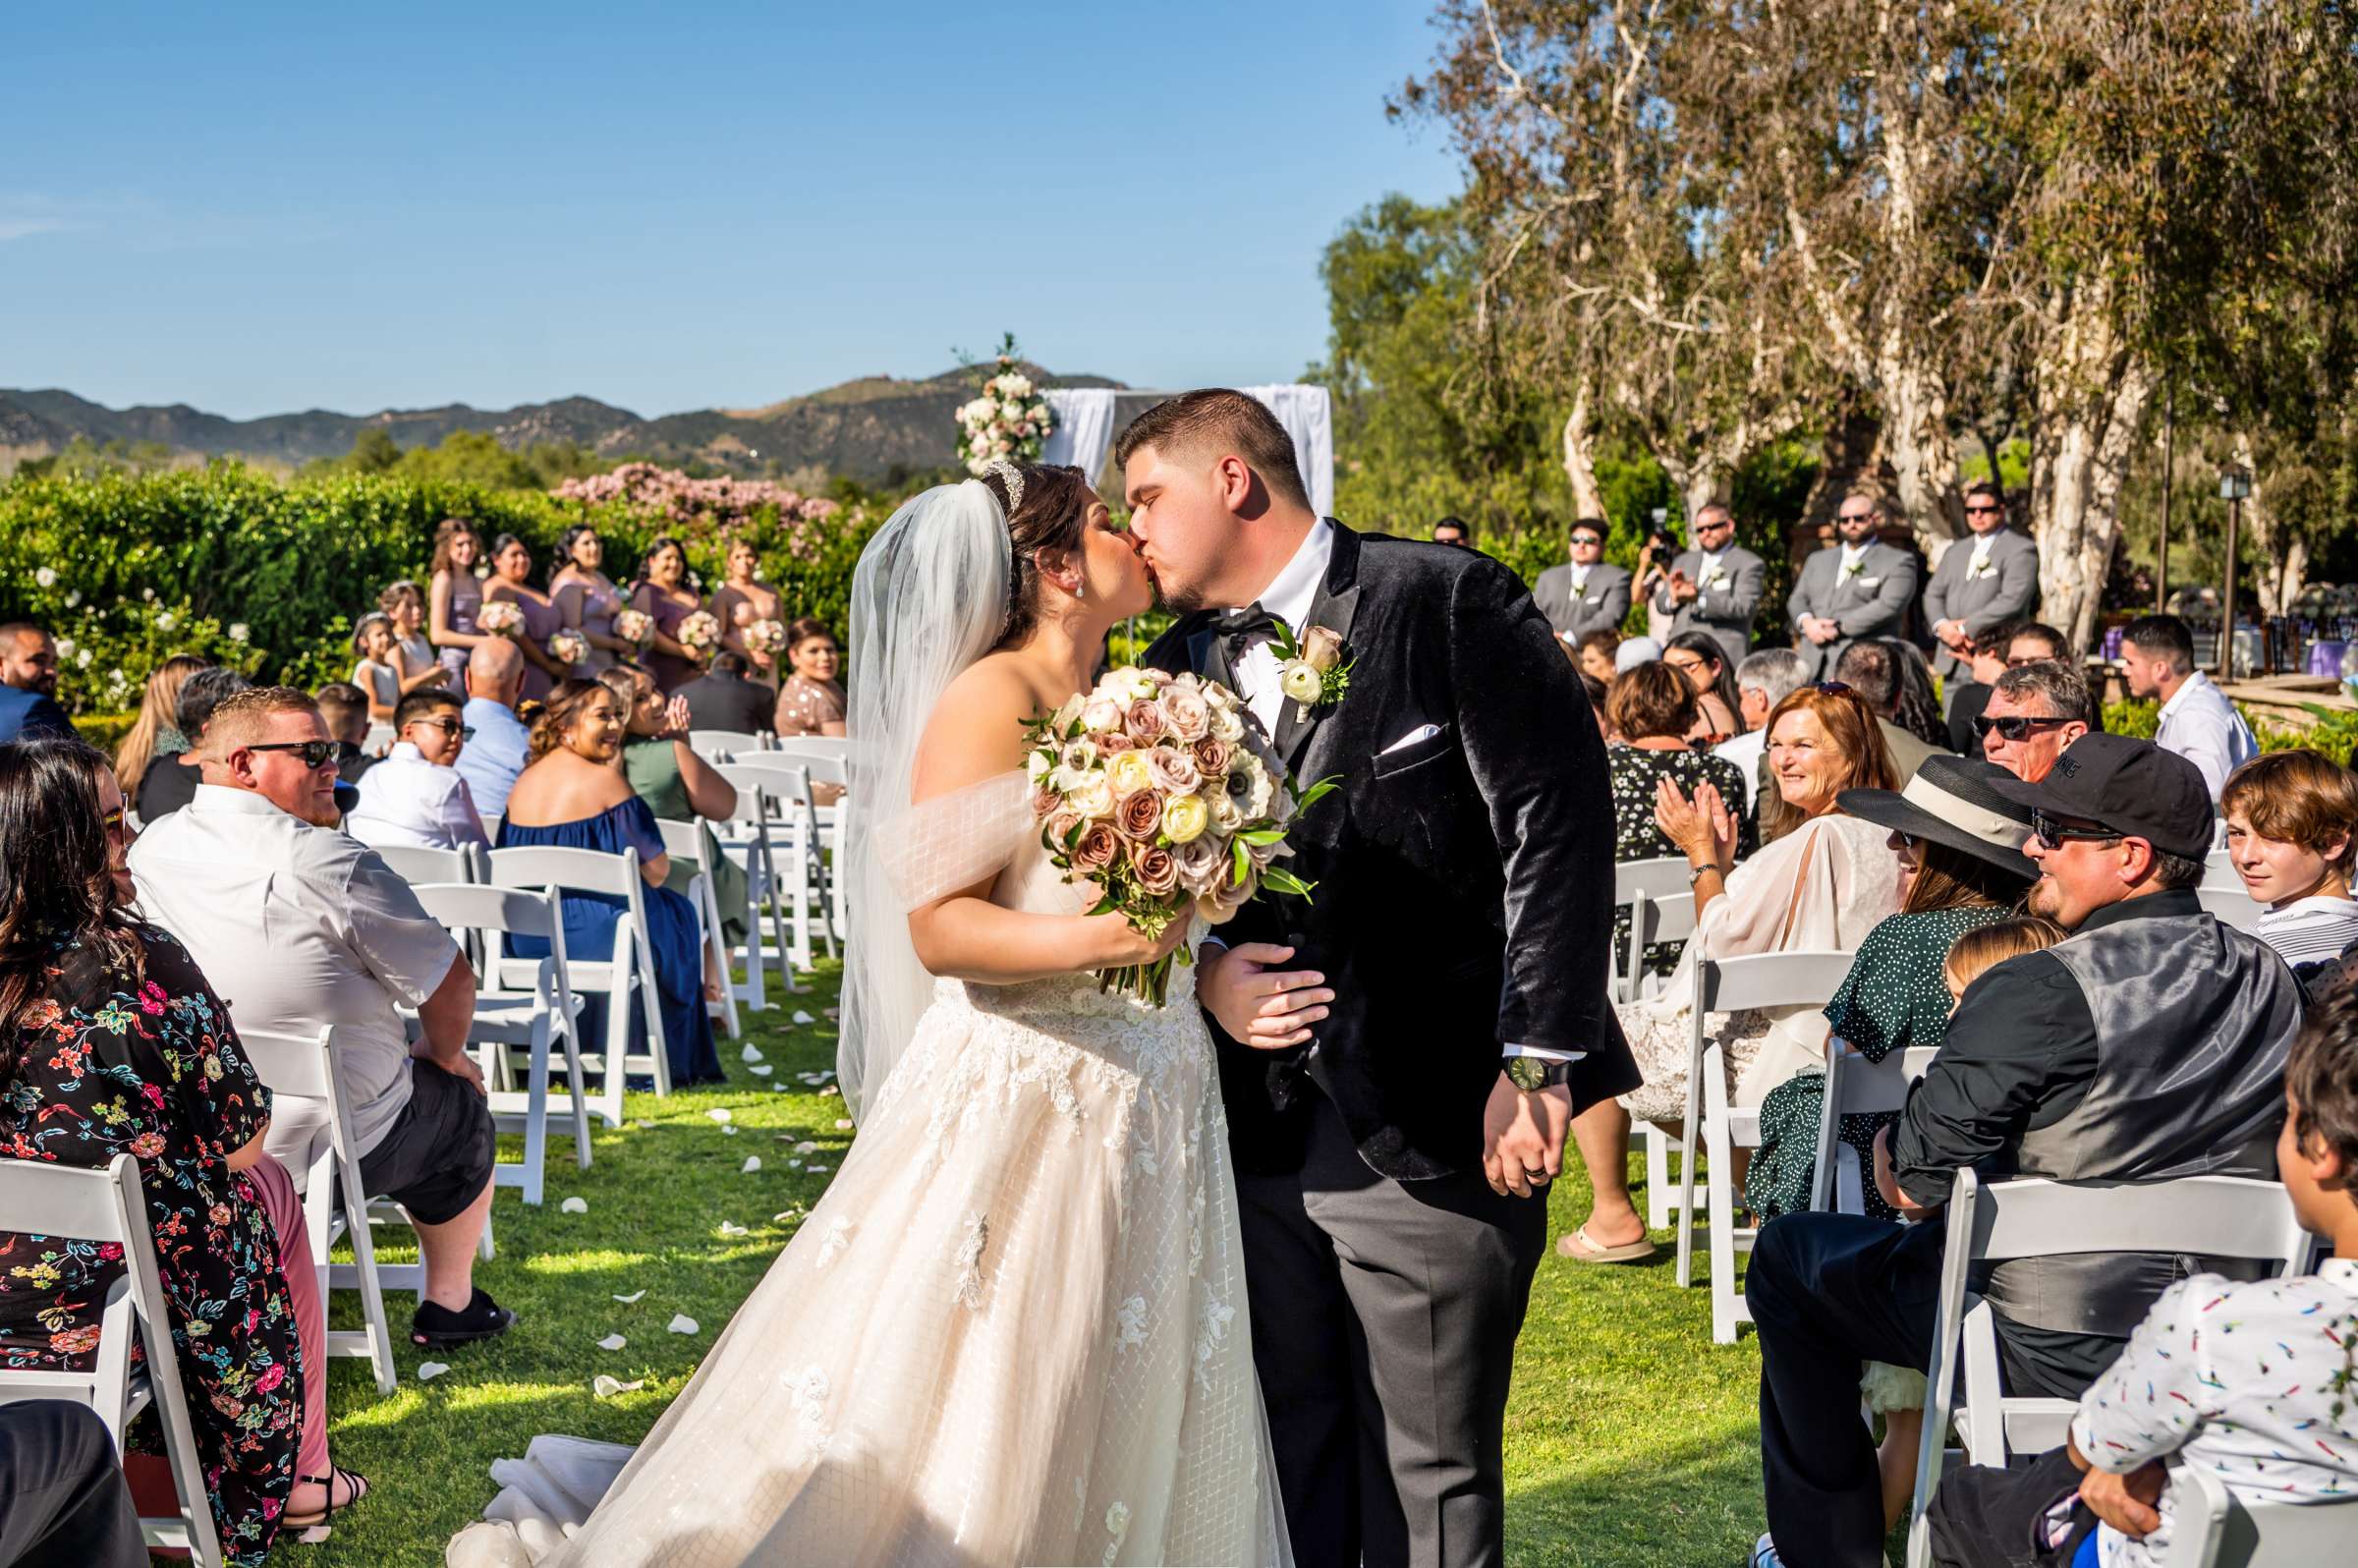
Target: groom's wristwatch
(1532,1072)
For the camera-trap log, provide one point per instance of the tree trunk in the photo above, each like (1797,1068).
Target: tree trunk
(2090,395)
(1580,458)
(1921,449)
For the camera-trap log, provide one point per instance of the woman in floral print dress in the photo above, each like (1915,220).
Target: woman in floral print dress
(111,1042)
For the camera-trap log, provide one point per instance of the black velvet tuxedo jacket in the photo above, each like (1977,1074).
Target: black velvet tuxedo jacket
(1464,881)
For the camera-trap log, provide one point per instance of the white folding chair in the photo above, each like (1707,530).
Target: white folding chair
(106,1206)
(2232,905)
(628,975)
(2218,1217)
(1670,917)
(304,1067)
(2219,871)
(746,838)
(416,862)
(726,745)
(1857,1087)
(829,761)
(796,866)
(687,844)
(2212,1527)
(1729,985)
(1637,883)
(379,738)
(532,1020)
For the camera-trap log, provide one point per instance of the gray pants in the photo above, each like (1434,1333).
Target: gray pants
(1384,1317)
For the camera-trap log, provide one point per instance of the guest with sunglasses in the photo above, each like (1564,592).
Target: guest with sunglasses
(1589,594)
(2035,712)
(1968,698)
(1983,581)
(2149,1045)
(416,795)
(300,926)
(2031,641)
(1713,588)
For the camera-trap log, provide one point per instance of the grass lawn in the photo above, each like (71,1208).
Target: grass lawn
(1630,1439)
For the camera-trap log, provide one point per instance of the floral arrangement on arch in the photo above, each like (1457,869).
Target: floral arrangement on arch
(1009,419)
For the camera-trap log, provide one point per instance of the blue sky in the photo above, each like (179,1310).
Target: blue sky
(261,208)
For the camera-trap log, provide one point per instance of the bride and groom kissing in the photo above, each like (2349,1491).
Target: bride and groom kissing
(1236,1280)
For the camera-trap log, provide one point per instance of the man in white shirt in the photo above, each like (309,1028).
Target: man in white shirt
(2198,723)
(414,796)
(502,746)
(298,925)
(1764,680)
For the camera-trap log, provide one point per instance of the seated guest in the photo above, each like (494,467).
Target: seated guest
(2248,1381)
(85,1076)
(1764,680)
(1596,651)
(2291,819)
(415,795)
(28,684)
(680,786)
(1823,884)
(377,673)
(1632,651)
(500,744)
(1699,658)
(722,699)
(2036,711)
(304,925)
(63,1500)
(2034,642)
(2197,721)
(1595,692)
(1652,710)
(1454,530)
(575,795)
(155,735)
(1870,667)
(1967,700)
(2077,1064)
(171,784)
(812,700)
(345,707)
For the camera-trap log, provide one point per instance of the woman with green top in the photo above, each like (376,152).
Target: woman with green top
(678,785)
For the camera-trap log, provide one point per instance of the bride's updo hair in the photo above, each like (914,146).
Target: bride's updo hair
(558,715)
(1055,505)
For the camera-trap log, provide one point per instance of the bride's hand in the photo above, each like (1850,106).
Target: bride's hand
(1121,946)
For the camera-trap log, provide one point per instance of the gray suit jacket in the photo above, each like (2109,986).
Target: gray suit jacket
(2006,591)
(1604,603)
(1723,606)
(1872,603)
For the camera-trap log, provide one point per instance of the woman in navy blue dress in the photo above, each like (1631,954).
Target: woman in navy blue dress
(573,796)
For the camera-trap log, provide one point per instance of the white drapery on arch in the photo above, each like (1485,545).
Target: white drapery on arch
(1089,418)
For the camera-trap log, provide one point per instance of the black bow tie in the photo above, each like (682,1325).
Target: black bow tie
(1238,628)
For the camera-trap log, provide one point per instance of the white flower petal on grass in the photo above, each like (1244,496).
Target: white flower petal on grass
(830,1090)
(731,1130)
(785,1216)
(606,1387)
(612,1342)
(752,1163)
(814,1170)
(682,1323)
(729,1227)
(429,1370)
(806,1147)
(752,1052)
(763,1071)
(720,1114)
(632,1297)
(802,1017)
(843,1124)
(574,1206)
(794,1164)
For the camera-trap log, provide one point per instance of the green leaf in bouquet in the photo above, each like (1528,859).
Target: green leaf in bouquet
(1286,881)
(1072,838)
(1243,860)
(1304,799)
(1261,835)
(1106,905)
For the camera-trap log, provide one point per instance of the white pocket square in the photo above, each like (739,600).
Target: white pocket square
(1422,732)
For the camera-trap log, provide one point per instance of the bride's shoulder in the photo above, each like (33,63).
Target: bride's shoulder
(975,728)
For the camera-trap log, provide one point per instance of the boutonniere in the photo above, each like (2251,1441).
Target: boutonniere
(1854,568)
(1313,671)
(1981,568)
(1715,580)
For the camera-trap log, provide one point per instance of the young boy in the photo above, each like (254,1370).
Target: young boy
(2291,817)
(2257,1383)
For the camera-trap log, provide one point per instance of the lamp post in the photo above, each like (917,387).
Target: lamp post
(2235,487)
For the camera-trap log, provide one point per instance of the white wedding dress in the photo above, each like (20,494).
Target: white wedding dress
(1013,1330)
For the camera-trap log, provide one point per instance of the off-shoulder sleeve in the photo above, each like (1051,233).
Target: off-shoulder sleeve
(954,840)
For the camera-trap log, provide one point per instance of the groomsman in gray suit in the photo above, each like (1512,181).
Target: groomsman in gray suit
(1716,586)
(1861,588)
(1980,585)
(1589,594)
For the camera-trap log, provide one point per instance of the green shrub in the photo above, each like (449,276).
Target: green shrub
(105,731)
(2136,718)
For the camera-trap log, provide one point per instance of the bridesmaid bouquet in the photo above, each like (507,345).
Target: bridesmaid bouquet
(765,638)
(500,618)
(569,648)
(634,626)
(701,632)
(1149,787)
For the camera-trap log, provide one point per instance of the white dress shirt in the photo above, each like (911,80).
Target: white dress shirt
(297,928)
(2202,726)
(1745,751)
(1289,598)
(406,800)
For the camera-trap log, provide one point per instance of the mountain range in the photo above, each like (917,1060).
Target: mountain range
(869,428)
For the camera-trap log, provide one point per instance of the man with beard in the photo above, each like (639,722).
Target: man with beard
(2148,1047)
(28,684)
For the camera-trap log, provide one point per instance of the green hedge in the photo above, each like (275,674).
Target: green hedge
(231,563)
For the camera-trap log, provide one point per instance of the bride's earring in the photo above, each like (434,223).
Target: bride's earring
(1080,589)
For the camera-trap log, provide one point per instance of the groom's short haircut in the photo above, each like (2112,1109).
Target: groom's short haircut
(1216,418)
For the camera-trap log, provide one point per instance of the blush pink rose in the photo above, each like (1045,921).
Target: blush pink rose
(1145,721)
(1188,713)
(1156,869)
(1174,771)
(1096,849)
(1139,814)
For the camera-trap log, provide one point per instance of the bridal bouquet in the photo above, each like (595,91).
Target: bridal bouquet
(766,638)
(701,632)
(569,648)
(634,626)
(500,618)
(1149,787)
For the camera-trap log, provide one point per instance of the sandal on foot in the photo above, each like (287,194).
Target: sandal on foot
(355,1483)
(437,1327)
(1581,1246)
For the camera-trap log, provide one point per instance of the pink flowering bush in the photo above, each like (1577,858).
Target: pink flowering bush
(706,510)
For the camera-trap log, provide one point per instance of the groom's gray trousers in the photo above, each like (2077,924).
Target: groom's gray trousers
(1385,1316)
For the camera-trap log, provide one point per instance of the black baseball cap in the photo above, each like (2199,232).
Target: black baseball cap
(2132,787)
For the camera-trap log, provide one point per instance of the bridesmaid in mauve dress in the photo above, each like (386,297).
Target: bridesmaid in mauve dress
(741,602)
(594,599)
(455,597)
(664,594)
(543,617)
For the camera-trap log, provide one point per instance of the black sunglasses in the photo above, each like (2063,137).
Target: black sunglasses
(2053,835)
(314,753)
(2013,727)
(1586,539)
(1971,510)
(1833,688)
(448,726)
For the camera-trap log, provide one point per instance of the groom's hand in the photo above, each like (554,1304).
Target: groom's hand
(1259,1004)
(1523,1137)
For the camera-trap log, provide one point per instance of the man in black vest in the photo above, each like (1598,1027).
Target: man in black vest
(2151,1046)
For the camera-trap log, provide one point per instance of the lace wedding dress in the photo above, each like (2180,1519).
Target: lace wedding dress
(1013,1330)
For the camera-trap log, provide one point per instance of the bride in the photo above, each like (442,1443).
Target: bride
(1014,1329)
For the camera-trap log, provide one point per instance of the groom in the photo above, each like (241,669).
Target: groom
(1401,1055)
